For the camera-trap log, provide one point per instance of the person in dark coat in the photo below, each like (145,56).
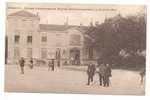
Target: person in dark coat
(51,65)
(102,71)
(21,63)
(90,72)
(31,63)
(58,62)
(107,75)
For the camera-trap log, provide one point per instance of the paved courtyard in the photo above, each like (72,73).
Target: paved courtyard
(69,79)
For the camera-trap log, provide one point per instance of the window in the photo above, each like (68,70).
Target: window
(44,39)
(29,52)
(43,53)
(16,52)
(29,39)
(17,37)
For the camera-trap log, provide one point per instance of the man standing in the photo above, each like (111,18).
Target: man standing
(102,71)
(72,61)
(31,63)
(107,75)
(142,74)
(21,62)
(58,57)
(90,72)
(58,62)
(51,65)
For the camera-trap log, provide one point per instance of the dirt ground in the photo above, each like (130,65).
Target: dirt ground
(64,80)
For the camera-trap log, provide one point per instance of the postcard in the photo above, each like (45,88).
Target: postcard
(75,48)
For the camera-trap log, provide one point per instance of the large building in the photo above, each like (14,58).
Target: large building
(27,38)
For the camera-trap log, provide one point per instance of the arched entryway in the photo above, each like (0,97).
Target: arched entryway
(75,56)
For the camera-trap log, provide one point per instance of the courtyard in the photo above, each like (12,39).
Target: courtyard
(70,79)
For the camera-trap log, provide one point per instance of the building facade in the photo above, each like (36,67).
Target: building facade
(27,38)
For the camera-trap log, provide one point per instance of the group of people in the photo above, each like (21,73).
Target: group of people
(22,64)
(104,72)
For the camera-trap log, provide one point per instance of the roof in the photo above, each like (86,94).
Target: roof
(23,13)
(53,27)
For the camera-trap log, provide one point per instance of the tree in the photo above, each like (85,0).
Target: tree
(119,33)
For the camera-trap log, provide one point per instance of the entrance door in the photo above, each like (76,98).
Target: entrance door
(74,56)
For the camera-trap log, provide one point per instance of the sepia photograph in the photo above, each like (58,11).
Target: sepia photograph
(75,48)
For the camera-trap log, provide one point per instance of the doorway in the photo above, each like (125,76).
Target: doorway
(75,56)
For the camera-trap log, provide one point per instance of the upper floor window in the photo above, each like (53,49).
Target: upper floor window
(29,39)
(17,37)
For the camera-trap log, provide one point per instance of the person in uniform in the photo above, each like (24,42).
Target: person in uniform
(22,62)
(90,72)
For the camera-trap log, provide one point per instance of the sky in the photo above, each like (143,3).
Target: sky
(77,13)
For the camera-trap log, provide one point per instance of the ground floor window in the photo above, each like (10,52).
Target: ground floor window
(74,56)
